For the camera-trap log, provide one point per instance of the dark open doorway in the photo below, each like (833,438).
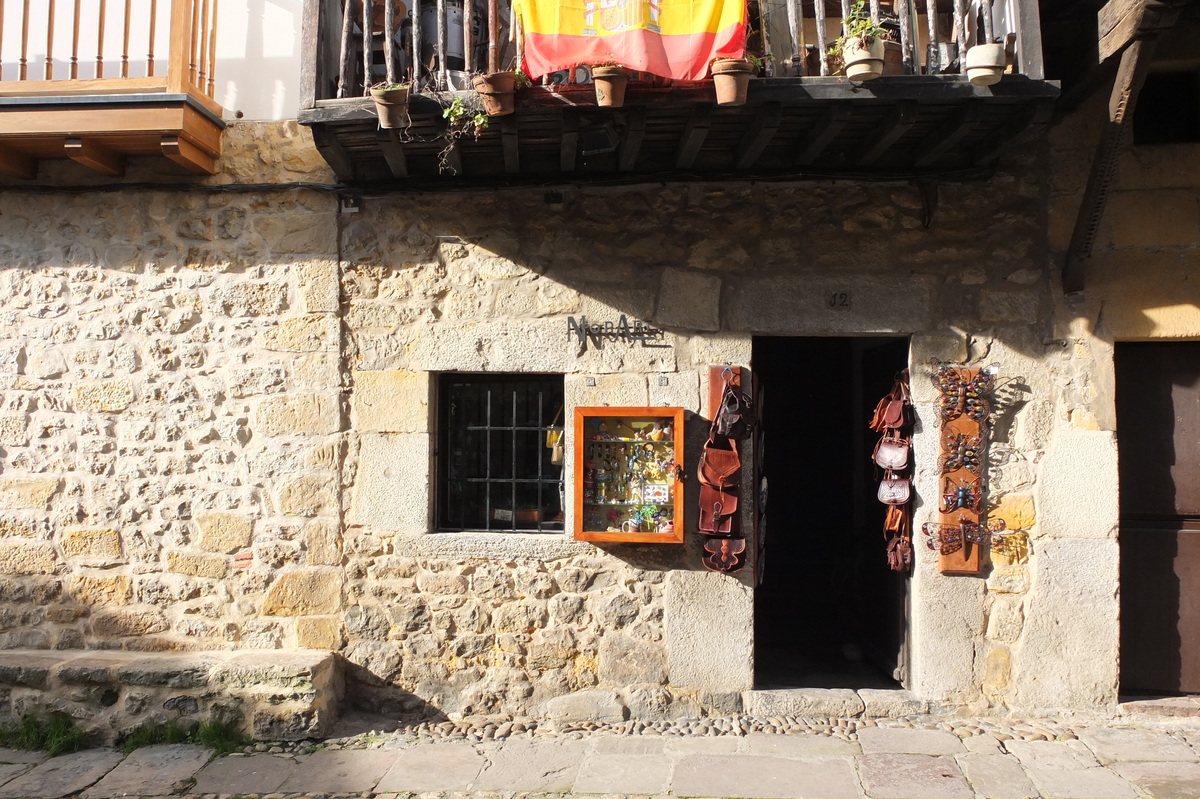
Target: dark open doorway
(828,613)
(1158,423)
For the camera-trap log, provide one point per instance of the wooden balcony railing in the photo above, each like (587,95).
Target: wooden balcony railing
(65,47)
(364,42)
(149,65)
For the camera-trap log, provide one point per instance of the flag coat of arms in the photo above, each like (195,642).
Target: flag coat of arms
(672,38)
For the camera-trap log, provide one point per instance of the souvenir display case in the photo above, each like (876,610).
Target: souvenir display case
(627,475)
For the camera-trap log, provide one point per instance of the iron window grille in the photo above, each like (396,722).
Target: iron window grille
(495,469)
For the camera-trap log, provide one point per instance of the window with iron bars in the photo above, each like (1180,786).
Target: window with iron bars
(495,458)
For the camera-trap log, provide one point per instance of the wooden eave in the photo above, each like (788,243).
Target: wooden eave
(101,130)
(900,126)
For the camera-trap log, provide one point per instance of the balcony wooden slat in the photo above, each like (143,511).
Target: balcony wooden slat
(759,135)
(17,164)
(94,155)
(901,120)
(693,136)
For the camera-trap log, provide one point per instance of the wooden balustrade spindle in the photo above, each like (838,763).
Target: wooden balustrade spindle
(23,63)
(493,35)
(347,53)
(100,40)
(74,42)
(2,31)
(389,30)
(822,35)
(125,39)
(960,32)
(194,62)
(200,34)
(368,10)
(468,36)
(985,8)
(935,52)
(905,14)
(150,43)
(441,45)
(50,40)
(415,44)
(210,90)
(795,31)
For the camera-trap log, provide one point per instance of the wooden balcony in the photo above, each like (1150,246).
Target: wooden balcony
(922,119)
(100,103)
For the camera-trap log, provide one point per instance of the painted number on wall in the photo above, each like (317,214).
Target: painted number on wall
(838,301)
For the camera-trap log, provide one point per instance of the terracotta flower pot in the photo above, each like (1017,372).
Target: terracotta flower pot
(610,85)
(391,104)
(731,77)
(863,63)
(985,64)
(497,91)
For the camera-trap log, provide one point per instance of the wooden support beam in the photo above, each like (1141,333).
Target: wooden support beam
(963,123)
(899,122)
(631,145)
(509,139)
(393,151)
(333,152)
(693,135)
(188,155)
(1135,63)
(569,146)
(94,155)
(1119,22)
(824,132)
(17,164)
(758,135)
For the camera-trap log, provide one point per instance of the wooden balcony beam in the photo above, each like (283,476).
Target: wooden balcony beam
(822,134)
(759,135)
(333,152)
(693,135)
(509,141)
(94,155)
(899,122)
(1119,22)
(17,164)
(631,145)
(393,151)
(569,147)
(188,155)
(960,125)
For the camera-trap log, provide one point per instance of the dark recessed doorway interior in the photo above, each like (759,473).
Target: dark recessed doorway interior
(828,613)
(1158,428)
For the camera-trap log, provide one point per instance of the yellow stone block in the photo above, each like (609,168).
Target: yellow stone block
(305,592)
(24,492)
(108,396)
(197,564)
(1016,510)
(319,632)
(322,543)
(27,557)
(223,532)
(89,543)
(93,590)
(997,671)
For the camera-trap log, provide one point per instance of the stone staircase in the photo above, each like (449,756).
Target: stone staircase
(273,695)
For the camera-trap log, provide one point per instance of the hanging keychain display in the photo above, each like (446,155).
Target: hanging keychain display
(893,418)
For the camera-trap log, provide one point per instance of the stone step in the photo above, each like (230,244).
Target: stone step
(278,695)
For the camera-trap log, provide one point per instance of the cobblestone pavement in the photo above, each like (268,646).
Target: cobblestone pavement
(776,758)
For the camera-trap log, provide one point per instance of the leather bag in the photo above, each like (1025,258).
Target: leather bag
(891,453)
(719,464)
(717,510)
(736,417)
(894,490)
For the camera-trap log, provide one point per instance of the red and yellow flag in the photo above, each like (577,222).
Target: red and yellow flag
(673,38)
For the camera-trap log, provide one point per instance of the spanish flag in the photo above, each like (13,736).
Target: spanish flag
(673,38)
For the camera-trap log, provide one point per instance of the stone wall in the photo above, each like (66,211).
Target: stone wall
(217,425)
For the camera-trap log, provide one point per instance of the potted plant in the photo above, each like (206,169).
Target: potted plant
(986,63)
(391,104)
(498,91)
(610,80)
(731,77)
(460,121)
(860,48)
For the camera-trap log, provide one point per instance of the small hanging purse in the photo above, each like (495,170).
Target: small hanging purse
(891,453)
(894,490)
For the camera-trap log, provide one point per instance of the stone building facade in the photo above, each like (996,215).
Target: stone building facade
(218,418)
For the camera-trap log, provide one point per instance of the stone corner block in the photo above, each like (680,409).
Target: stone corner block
(883,703)
(702,607)
(1078,463)
(391,401)
(834,702)
(392,491)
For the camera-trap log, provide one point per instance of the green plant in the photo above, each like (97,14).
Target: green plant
(859,28)
(461,120)
(58,735)
(170,733)
(217,735)
(385,86)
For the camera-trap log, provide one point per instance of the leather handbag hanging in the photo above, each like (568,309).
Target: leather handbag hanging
(891,453)
(717,510)
(892,410)
(736,417)
(894,490)
(719,462)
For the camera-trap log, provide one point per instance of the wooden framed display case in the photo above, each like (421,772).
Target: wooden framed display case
(627,469)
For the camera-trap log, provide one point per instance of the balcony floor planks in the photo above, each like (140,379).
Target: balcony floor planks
(868,115)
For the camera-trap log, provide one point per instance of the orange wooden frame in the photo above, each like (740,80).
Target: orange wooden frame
(580,442)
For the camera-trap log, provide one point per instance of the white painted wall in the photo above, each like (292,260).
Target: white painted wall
(258,48)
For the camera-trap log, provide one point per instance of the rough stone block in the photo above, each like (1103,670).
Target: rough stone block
(807,303)
(392,488)
(291,722)
(997,777)
(1114,744)
(903,776)
(688,300)
(300,414)
(14,429)
(830,702)
(393,401)
(586,706)
(96,590)
(168,671)
(198,564)
(27,492)
(65,775)
(96,669)
(106,396)
(883,703)
(625,660)
(1079,463)
(27,557)
(322,543)
(1090,783)
(319,632)
(252,299)
(27,669)
(702,607)
(1014,307)
(225,533)
(310,495)
(682,390)
(172,767)
(304,592)
(608,389)
(115,623)
(266,672)
(320,291)
(104,545)
(316,333)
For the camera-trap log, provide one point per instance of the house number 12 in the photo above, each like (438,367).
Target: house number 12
(838,301)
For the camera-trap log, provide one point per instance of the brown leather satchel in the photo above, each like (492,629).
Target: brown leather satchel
(724,555)
(717,510)
(891,452)
(892,410)
(719,462)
